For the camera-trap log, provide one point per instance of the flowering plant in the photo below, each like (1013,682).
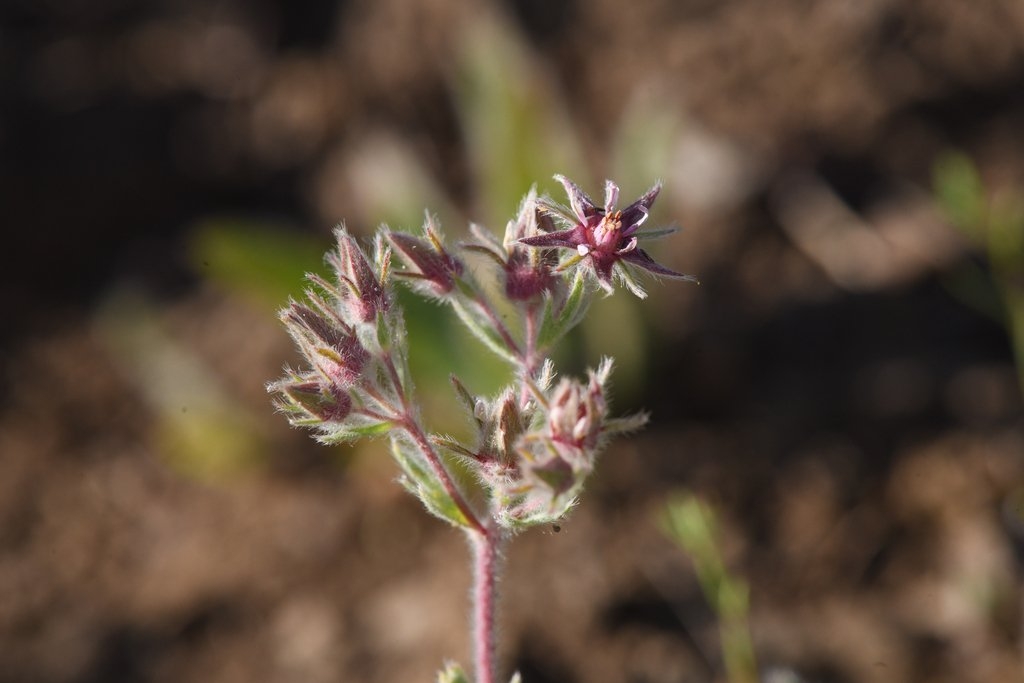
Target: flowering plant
(536,441)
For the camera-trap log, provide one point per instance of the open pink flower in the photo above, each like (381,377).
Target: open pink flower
(604,236)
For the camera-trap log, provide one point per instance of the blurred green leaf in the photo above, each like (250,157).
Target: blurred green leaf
(200,430)
(644,141)
(1006,235)
(996,224)
(960,192)
(517,128)
(691,524)
(265,263)
(442,348)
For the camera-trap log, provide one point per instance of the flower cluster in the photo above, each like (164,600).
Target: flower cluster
(536,441)
(336,331)
(535,445)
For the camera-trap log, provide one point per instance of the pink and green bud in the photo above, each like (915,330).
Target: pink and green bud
(528,272)
(576,415)
(364,294)
(427,260)
(329,345)
(319,400)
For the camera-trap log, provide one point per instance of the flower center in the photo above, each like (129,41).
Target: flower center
(612,221)
(606,233)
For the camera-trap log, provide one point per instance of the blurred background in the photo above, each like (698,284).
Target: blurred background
(843,391)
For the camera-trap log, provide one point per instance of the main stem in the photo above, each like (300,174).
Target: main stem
(486,551)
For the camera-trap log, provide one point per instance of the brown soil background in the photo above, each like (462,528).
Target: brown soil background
(857,428)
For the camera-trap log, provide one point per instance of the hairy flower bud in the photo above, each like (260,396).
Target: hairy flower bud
(427,259)
(556,455)
(328,344)
(576,415)
(365,295)
(319,399)
(528,272)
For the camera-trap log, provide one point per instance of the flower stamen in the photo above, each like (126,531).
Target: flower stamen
(612,221)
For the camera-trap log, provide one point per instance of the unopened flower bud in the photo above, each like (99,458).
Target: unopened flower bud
(509,426)
(577,414)
(427,259)
(365,295)
(528,272)
(329,345)
(322,400)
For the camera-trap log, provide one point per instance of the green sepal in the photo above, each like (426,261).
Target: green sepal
(467,399)
(556,512)
(655,233)
(349,433)
(625,425)
(556,323)
(455,447)
(423,484)
(487,240)
(557,474)
(628,278)
(309,400)
(453,673)
(486,251)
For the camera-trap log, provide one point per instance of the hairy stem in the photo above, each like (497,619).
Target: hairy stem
(530,360)
(499,326)
(486,560)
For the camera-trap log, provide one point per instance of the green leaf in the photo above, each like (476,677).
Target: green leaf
(264,262)
(421,482)
(476,320)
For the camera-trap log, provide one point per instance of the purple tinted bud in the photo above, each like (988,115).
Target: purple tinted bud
(321,400)
(427,259)
(528,272)
(526,282)
(366,295)
(576,414)
(328,345)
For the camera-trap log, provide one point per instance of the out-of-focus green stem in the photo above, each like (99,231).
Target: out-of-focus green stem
(691,524)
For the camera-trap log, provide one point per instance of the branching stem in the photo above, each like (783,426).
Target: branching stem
(415,432)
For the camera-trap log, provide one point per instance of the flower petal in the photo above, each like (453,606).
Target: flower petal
(569,239)
(629,246)
(636,213)
(582,205)
(639,257)
(611,196)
